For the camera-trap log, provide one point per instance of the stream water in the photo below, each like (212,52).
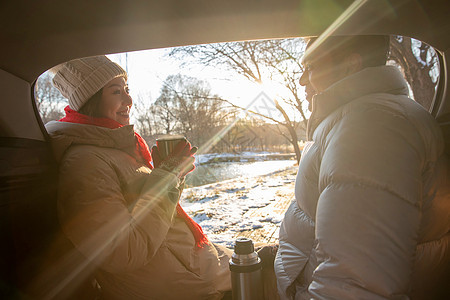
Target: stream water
(215,172)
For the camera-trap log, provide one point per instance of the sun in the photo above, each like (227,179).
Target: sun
(273,89)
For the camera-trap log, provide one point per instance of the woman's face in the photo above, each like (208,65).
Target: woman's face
(116,102)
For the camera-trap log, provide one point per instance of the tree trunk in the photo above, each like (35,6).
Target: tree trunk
(416,73)
(292,132)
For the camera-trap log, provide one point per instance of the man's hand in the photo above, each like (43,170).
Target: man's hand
(267,255)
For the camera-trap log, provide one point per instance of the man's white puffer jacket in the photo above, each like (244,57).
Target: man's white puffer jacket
(371,215)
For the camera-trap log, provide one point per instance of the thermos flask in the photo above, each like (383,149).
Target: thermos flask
(245,267)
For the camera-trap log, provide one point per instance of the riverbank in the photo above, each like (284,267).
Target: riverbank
(250,206)
(221,171)
(203,159)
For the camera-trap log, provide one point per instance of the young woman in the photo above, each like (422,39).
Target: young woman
(119,209)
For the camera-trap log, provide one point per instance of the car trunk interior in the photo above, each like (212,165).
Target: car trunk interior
(36,257)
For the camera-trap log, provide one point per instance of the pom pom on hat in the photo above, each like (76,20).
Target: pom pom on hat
(79,79)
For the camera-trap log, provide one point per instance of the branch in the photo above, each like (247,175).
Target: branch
(251,111)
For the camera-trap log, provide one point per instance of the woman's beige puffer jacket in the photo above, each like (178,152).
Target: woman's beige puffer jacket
(371,215)
(122,217)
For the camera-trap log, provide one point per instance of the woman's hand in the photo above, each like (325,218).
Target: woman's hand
(180,161)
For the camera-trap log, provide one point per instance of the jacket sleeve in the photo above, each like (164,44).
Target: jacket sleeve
(368,214)
(95,217)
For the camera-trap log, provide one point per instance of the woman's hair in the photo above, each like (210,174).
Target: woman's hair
(90,108)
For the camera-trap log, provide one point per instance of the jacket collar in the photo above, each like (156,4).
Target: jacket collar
(66,134)
(382,79)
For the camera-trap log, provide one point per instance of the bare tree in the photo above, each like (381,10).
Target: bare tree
(260,61)
(186,105)
(49,101)
(145,117)
(419,64)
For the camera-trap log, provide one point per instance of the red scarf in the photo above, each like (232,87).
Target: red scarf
(73,116)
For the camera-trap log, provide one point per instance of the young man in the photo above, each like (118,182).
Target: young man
(367,221)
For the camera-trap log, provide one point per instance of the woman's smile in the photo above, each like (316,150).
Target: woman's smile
(116,101)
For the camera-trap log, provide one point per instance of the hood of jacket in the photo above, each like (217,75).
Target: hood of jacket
(382,79)
(64,135)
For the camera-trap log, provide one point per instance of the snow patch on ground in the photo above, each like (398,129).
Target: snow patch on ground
(220,208)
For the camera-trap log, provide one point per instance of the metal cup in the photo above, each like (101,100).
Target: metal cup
(167,143)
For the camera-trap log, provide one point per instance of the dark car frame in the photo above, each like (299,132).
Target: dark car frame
(36,260)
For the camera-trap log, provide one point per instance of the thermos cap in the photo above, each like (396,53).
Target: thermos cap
(244,246)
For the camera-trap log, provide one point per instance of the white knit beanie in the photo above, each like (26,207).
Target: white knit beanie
(79,79)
